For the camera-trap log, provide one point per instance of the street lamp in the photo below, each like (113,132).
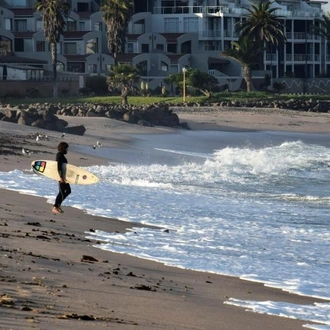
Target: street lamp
(184,70)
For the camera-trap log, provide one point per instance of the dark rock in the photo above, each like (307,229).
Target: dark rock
(129,117)
(77,130)
(143,122)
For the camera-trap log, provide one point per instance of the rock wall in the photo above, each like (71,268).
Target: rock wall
(45,115)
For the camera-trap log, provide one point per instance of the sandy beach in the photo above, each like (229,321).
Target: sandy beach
(53,278)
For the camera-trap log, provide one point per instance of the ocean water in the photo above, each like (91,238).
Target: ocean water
(248,204)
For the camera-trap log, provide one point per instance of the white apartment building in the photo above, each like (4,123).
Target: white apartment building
(163,37)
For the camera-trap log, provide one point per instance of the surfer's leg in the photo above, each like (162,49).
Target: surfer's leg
(66,191)
(60,196)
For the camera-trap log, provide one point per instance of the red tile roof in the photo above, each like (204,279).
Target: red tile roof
(76,58)
(23,11)
(74,34)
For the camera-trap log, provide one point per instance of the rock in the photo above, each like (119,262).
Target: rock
(129,117)
(86,258)
(77,130)
(143,122)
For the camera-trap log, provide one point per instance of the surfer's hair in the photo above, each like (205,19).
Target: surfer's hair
(62,147)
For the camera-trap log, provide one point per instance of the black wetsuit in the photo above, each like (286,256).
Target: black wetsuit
(64,187)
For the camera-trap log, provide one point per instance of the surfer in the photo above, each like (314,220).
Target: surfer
(64,187)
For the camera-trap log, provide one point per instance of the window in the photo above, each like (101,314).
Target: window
(70,48)
(130,47)
(5,43)
(18,3)
(82,26)
(98,26)
(212,45)
(91,46)
(19,45)
(163,66)
(171,24)
(160,46)
(190,24)
(40,46)
(71,24)
(20,25)
(142,67)
(145,48)
(172,48)
(76,66)
(82,6)
(8,24)
(39,25)
(60,66)
(92,68)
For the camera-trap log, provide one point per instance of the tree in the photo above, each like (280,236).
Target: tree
(195,78)
(123,76)
(323,29)
(245,51)
(261,24)
(116,14)
(54,14)
(202,81)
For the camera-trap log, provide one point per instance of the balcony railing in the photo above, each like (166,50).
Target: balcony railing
(302,57)
(271,57)
(301,36)
(209,34)
(223,8)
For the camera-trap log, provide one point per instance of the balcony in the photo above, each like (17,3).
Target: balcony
(301,36)
(271,57)
(302,57)
(212,10)
(210,34)
(223,8)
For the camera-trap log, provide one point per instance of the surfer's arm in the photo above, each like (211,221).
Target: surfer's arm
(60,165)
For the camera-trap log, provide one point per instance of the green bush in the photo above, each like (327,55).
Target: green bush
(97,85)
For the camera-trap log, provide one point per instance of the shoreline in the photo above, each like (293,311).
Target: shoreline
(55,288)
(42,287)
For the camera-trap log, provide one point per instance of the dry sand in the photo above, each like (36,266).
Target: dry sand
(47,283)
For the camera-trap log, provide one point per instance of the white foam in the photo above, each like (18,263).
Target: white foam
(257,213)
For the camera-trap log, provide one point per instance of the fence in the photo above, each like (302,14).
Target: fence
(26,88)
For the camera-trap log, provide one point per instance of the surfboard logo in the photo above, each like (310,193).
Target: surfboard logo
(39,166)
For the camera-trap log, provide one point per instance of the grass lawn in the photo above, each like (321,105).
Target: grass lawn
(143,100)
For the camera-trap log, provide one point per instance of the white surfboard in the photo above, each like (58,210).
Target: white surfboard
(74,174)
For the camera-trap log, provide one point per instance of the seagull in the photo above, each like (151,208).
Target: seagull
(63,135)
(98,144)
(26,152)
(94,147)
(37,138)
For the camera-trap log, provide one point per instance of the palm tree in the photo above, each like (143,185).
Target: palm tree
(245,51)
(54,14)
(323,28)
(123,76)
(116,14)
(262,24)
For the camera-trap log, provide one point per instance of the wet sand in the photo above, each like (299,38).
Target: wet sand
(51,276)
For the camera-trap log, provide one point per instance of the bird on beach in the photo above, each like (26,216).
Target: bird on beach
(63,135)
(94,147)
(26,153)
(98,144)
